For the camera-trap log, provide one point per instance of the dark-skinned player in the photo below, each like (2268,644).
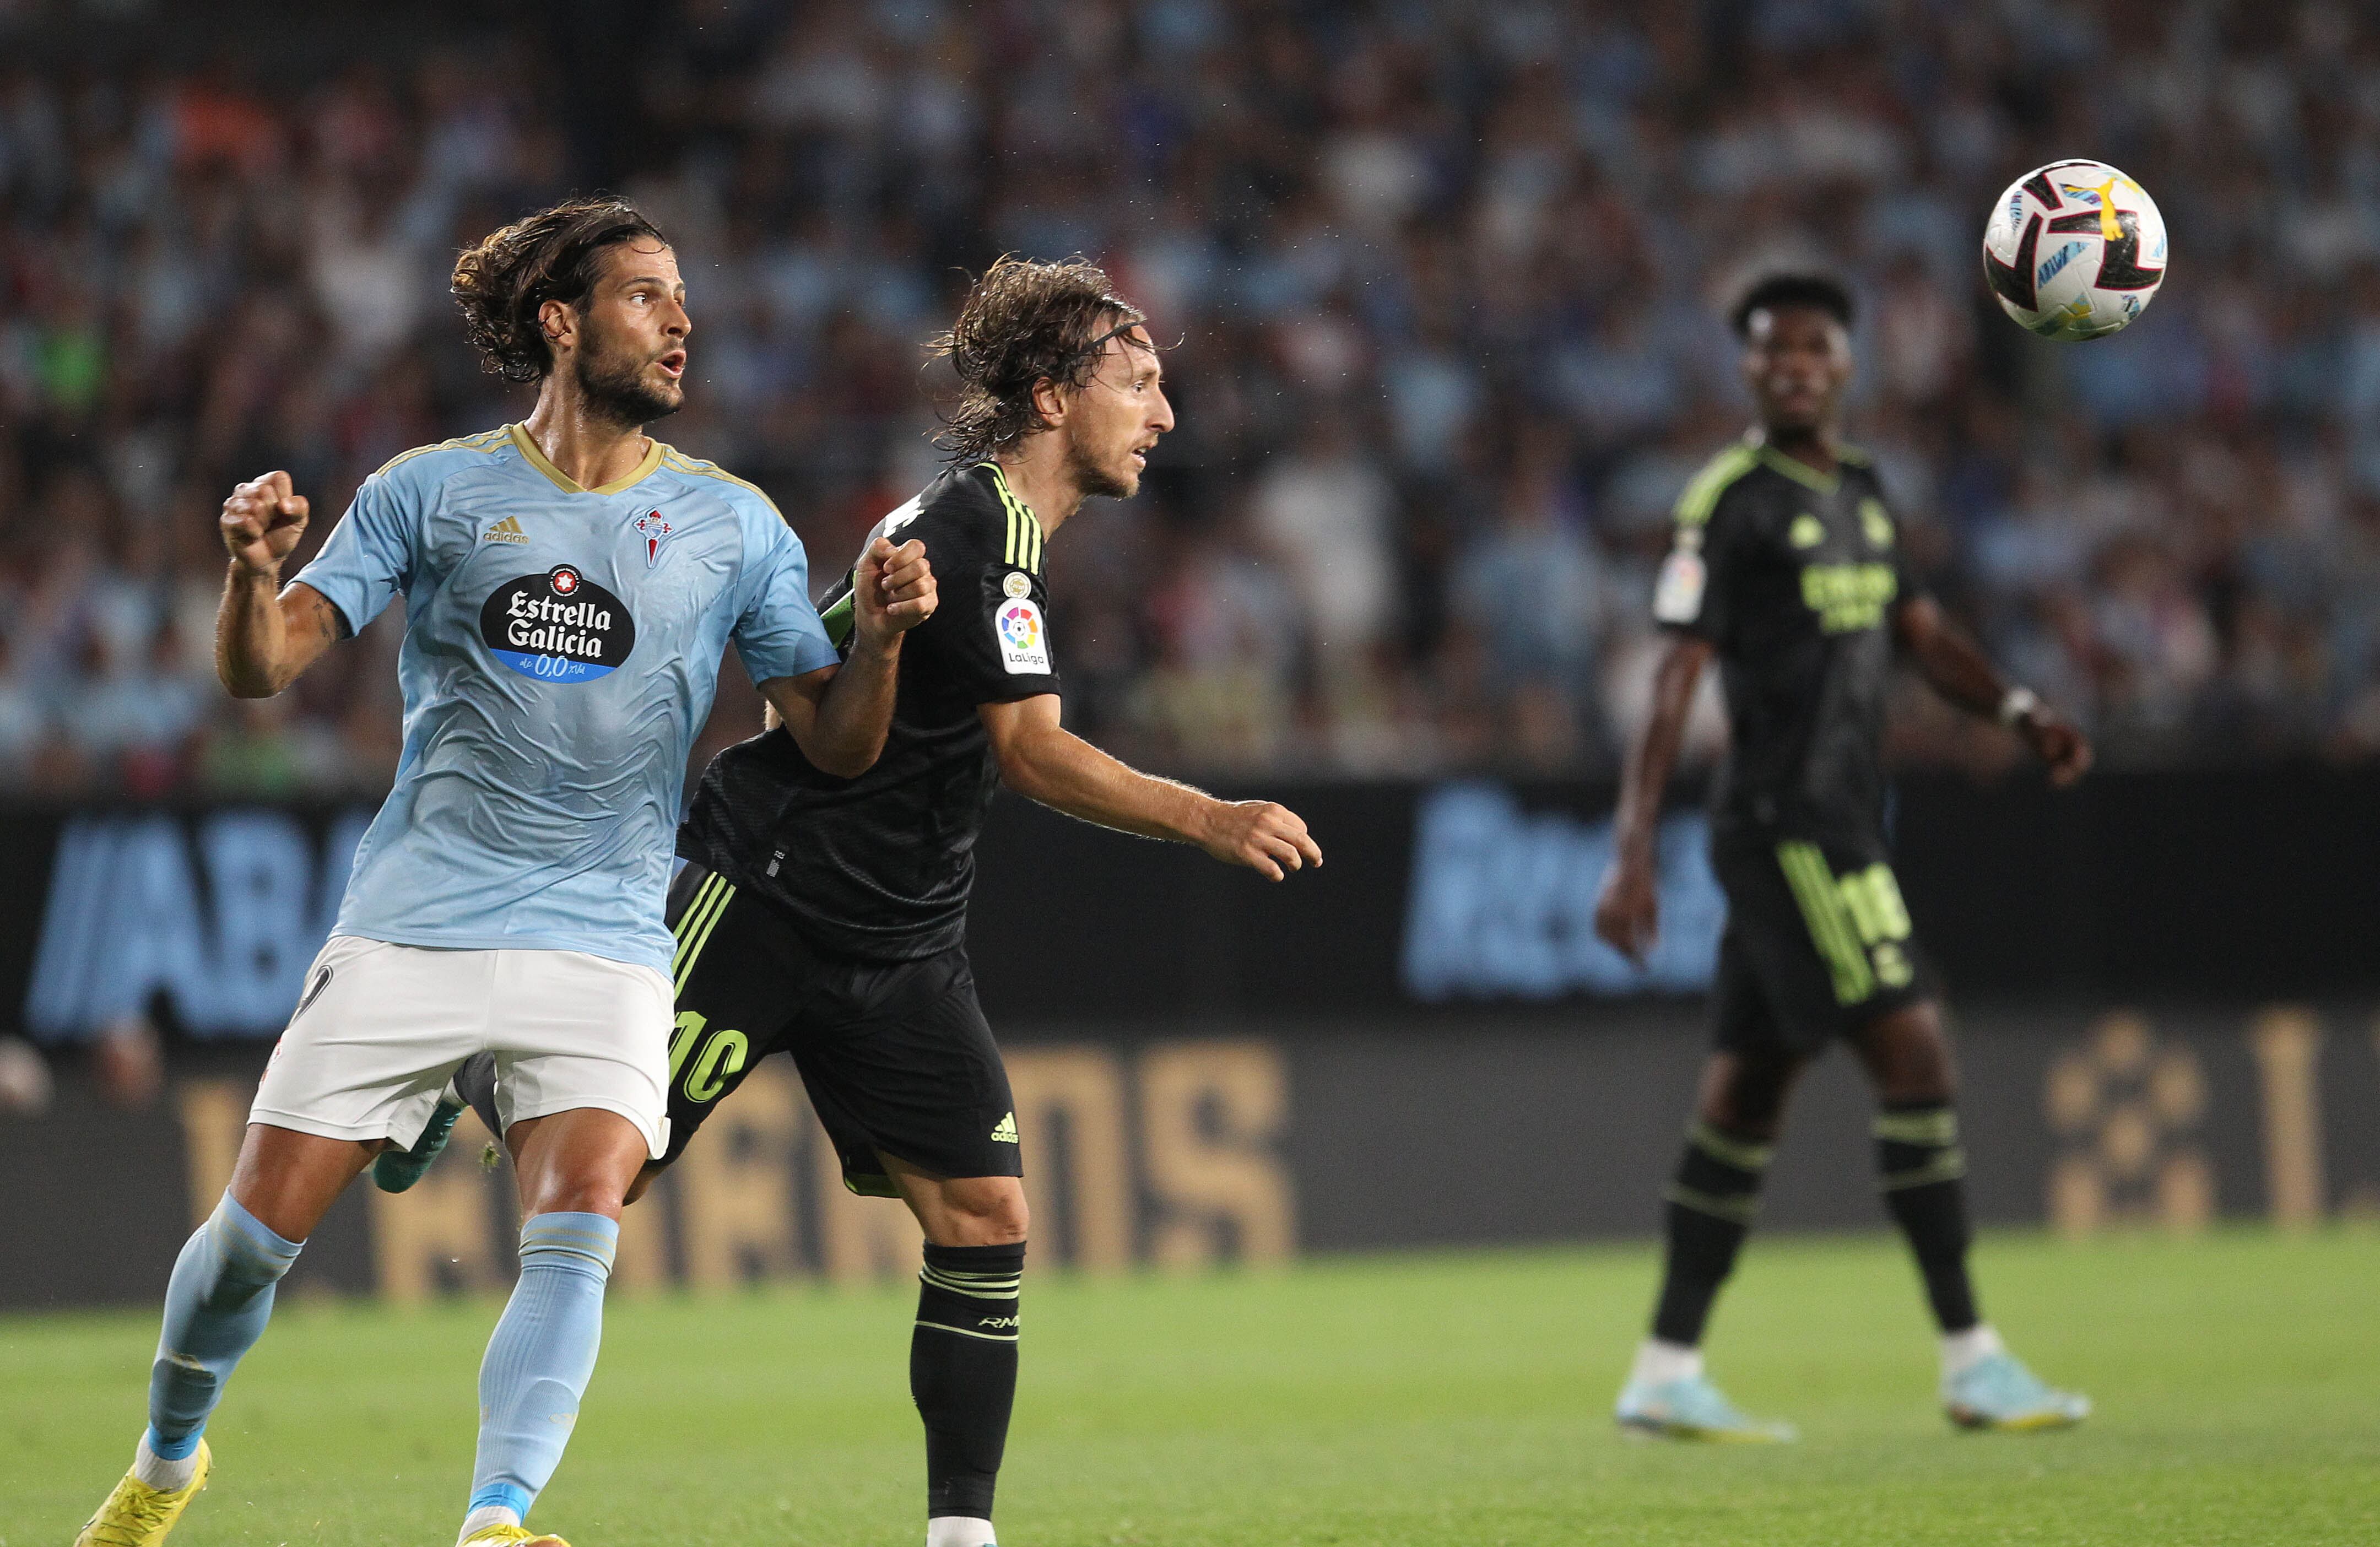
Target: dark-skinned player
(1788,572)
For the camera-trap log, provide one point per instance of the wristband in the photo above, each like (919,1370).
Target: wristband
(2016,704)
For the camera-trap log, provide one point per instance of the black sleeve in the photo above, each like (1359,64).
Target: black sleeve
(1696,591)
(989,638)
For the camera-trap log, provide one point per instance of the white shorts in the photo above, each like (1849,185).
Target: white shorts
(382,1028)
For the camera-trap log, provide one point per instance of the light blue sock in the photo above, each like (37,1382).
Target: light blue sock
(540,1358)
(216,1305)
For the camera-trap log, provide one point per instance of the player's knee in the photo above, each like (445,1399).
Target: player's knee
(983,1211)
(1745,1096)
(1909,1056)
(578,1196)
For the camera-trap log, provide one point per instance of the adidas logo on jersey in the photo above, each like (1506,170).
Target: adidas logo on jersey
(506,531)
(1006,1131)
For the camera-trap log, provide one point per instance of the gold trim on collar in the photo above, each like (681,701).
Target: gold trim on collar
(654,452)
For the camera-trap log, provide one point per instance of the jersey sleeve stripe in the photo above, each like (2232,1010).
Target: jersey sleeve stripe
(1024,546)
(1694,506)
(484,441)
(839,620)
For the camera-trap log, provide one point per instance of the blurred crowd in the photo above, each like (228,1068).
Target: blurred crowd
(1446,276)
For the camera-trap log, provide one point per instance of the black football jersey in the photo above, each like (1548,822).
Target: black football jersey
(1793,576)
(882,865)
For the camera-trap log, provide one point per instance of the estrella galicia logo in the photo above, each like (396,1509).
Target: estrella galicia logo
(558,627)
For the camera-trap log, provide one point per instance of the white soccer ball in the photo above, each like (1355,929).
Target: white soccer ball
(2075,250)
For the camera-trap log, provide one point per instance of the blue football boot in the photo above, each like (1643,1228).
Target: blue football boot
(1999,1391)
(1690,1408)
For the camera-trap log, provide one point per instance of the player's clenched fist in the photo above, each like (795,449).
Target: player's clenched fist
(2062,748)
(1628,912)
(261,522)
(1269,839)
(893,591)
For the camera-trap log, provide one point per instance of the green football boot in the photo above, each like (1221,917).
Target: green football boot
(395,1170)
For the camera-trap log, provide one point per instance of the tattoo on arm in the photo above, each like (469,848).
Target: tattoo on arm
(333,622)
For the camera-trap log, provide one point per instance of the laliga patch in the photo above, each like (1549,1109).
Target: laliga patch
(558,627)
(1018,584)
(1023,642)
(1678,595)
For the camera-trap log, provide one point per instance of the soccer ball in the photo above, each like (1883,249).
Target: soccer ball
(2075,250)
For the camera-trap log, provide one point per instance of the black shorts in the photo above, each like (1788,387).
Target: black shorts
(1817,944)
(896,1055)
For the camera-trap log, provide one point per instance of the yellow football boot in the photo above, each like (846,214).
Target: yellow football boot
(512,1536)
(138,1515)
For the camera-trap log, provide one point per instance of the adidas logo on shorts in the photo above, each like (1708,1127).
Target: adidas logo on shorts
(1005,1133)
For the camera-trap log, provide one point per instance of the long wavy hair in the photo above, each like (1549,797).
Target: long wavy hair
(554,254)
(1024,322)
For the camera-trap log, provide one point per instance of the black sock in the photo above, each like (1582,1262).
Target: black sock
(963,1371)
(1710,1211)
(1925,1186)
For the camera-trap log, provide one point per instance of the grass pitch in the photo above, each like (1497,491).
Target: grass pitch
(1458,1399)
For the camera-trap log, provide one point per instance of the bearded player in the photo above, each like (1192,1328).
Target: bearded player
(1787,571)
(827,916)
(569,584)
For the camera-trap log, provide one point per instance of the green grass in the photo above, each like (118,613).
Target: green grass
(1441,1399)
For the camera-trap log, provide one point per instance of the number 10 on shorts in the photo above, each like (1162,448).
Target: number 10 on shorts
(722,1058)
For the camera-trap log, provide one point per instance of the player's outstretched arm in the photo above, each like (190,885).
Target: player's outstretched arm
(839,716)
(266,634)
(1042,760)
(1628,913)
(1958,670)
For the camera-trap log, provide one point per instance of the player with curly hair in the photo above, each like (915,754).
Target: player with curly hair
(827,916)
(569,583)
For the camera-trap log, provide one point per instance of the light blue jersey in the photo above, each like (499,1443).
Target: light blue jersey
(561,651)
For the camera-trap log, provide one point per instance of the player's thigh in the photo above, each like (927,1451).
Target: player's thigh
(905,1067)
(572,1032)
(1769,998)
(288,1180)
(579,1161)
(1753,1063)
(962,1211)
(742,974)
(378,1029)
